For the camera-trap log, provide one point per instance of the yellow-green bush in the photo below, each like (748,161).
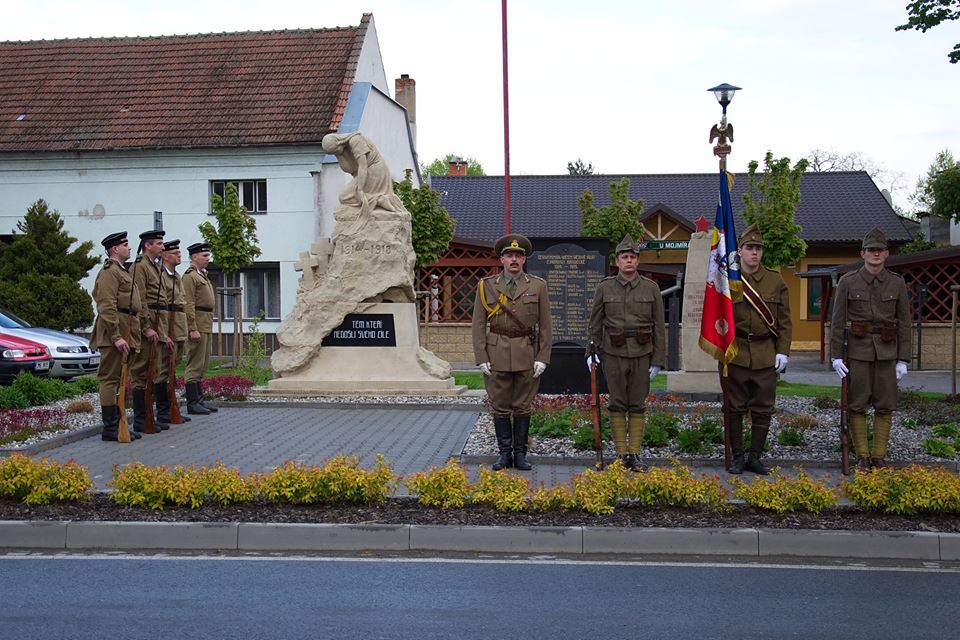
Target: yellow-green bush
(501,490)
(445,486)
(597,491)
(225,485)
(781,493)
(908,491)
(558,498)
(137,485)
(43,481)
(675,486)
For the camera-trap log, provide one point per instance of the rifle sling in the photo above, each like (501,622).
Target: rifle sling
(756,301)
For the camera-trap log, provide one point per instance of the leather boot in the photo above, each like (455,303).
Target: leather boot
(521,428)
(139,410)
(882,423)
(758,438)
(194,406)
(736,444)
(111,423)
(635,424)
(629,461)
(618,425)
(863,464)
(162,401)
(504,431)
(858,429)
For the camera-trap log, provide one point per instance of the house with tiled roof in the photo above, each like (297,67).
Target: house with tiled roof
(126,133)
(836,209)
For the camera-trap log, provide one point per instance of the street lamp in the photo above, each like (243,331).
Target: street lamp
(723,132)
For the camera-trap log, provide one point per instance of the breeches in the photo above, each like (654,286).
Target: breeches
(872,383)
(753,390)
(628,380)
(511,392)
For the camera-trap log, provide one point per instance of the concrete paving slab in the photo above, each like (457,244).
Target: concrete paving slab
(497,539)
(850,544)
(647,541)
(323,537)
(33,534)
(152,535)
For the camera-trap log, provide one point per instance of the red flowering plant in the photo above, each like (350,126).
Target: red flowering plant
(18,424)
(226,387)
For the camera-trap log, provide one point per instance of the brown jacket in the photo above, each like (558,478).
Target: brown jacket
(118,307)
(754,351)
(198,292)
(629,305)
(492,341)
(872,302)
(174,291)
(153,315)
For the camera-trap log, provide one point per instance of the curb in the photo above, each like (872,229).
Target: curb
(228,536)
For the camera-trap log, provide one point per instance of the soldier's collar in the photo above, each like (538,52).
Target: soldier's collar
(628,283)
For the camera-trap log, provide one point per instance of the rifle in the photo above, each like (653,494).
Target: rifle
(595,402)
(844,425)
(175,417)
(727,446)
(123,429)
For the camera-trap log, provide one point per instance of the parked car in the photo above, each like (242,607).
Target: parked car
(19,354)
(72,355)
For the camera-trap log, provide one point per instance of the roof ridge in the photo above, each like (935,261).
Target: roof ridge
(350,72)
(186,35)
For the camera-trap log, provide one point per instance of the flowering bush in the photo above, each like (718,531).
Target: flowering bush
(43,481)
(227,387)
(17,423)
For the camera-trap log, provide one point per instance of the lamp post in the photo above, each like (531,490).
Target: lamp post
(723,132)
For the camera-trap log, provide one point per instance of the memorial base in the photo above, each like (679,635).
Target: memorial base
(404,369)
(693,381)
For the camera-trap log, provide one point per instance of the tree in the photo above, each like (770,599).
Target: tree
(579,169)
(441,166)
(918,244)
(620,217)
(822,160)
(774,207)
(927,14)
(40,276)
(432,226)
(234,240)
(922,196)
(945,188)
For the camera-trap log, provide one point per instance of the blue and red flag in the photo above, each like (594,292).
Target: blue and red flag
(723,282)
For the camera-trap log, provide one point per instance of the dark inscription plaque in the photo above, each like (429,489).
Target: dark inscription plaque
(363,330)
(572,272)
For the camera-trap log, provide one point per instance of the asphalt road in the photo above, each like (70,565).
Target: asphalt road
(200,597)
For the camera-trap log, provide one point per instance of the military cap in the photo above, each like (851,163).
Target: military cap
(627,244)
(198,247)
(874,240)
(114,239)
(513,242)
(171,245)
(751,235)
(153,234)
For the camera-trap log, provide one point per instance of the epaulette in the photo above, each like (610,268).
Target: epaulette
(643,277)
(535,277)
(609,278)
(138,258)
(848,274)
(107,263)
(894,273)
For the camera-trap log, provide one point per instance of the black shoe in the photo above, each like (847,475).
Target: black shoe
(753,464)
(520,461)
(505,461)
(736,466)
(194,404)
(111,422)
(209,407)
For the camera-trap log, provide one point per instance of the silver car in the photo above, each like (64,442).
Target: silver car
(72,355)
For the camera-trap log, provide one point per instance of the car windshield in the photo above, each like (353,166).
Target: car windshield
(10,321)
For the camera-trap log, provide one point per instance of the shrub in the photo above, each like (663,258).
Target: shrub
(676,486)
(14,422)
(84,385)
(949,430)
(655,436)
(13,398)
(501,490)
(339,480)
(826,402)
(227,387)
(781,493)
(668,422)
(597,491)
(712,429)
(43,481)
(558,498)
(908,491)
(799,422)
(225,485)
(79,406)
(554,424)
(583,437)
(39,391)
(692,441)
(791,436)
(137,485)
(939,448)
(444,487)
(909,423)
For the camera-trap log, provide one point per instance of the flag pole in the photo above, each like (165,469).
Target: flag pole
(506,126)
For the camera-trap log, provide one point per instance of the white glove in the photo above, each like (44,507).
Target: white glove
(781,363)
(901,369)
(485,368)
(538,368)
(840,368)
(654,371)
(592,361)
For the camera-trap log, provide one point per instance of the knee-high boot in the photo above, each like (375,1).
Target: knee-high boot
(521,429)
(736,444)
(111,423)
(504,431)
(760,426)
(139,410)
(194,406)
(161,400)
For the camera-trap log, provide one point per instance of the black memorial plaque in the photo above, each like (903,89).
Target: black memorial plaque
(572,268)
(363,330)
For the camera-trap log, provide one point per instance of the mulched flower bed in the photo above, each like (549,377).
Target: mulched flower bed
(408,511)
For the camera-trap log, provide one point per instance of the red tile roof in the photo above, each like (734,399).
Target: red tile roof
(209,90)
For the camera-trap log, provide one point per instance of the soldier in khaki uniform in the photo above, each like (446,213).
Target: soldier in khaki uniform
(116,330)
(198,308)
(512,338)
(873,304)
(764,333)
(176,326)
(147,277)
(626,326)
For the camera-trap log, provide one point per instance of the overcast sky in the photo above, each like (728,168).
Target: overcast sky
(620,84)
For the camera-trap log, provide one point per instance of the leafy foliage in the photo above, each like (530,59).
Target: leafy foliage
(441,166)
(501,490)
(927,14)
(918,244)
(922,198)
(234,240)
(620,217)
(939,448)
(781,493)
(43,481)
(40,259)
(578,168)
(908,491)
(772,203)
(433,227)
(945,189)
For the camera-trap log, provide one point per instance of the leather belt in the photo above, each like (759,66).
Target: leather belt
(753,337)
(175,307)
(510,333)
(207,309)
(887,333)
(127,310)
(157,307)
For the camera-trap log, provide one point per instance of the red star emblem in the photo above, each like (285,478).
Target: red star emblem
(702,224)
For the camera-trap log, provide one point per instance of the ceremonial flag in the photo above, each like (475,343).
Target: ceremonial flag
(723,282)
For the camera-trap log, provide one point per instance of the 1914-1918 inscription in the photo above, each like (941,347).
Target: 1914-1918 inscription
(572,273)
(363,330)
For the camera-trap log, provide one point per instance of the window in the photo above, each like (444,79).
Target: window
(261,291)
(252,193)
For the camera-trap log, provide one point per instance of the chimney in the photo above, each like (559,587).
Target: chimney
(405,88)
(458,166)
